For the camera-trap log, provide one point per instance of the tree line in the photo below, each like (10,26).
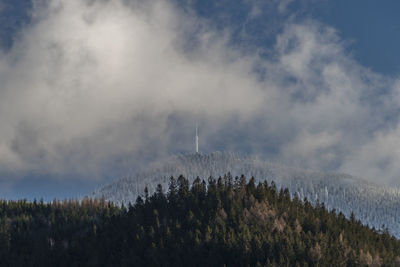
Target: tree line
(222,222)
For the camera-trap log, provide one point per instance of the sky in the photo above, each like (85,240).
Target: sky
(91,90)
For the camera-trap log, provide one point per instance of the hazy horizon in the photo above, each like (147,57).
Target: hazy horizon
(93,89)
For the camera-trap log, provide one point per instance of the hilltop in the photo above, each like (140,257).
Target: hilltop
(374,205)
(221,222)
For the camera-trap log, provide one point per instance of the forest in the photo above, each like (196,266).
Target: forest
(374,205)
(219,222)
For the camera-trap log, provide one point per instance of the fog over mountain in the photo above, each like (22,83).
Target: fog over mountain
(373,204)
(90,89)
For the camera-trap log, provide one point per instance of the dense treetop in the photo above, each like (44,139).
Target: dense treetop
(372,204)
(220,222)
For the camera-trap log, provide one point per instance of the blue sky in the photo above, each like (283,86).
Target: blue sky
(371,28)
(94,90)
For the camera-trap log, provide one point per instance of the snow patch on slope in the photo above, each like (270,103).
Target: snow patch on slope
(373,204)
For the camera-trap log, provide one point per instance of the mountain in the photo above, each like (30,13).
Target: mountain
(222,222)
(374,205)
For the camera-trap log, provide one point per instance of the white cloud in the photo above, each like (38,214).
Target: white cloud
(93,86)
(88,82)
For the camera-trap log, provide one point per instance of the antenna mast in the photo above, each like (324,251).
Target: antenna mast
(197,141)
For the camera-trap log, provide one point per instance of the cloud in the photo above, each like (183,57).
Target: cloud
(94,87)
(379,157)
(91,81)
(282,5)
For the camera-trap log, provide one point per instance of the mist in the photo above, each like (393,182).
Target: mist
(94,88)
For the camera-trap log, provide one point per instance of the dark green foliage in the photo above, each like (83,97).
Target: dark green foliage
(225,222)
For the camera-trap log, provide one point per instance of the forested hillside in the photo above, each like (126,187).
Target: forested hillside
(372,204)
(224,222)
